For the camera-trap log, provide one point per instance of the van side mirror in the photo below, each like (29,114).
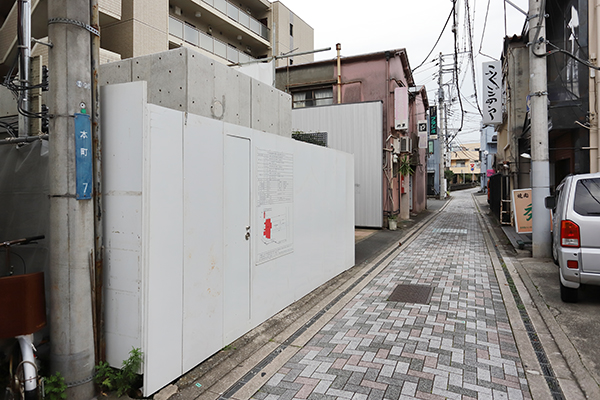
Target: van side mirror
(550,202)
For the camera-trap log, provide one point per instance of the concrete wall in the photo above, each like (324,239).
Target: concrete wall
(184,80)
(181,282)
(314,74)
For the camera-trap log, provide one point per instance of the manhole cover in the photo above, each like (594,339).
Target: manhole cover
(412,294)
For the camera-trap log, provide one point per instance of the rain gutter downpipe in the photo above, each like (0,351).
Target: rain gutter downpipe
(339,73)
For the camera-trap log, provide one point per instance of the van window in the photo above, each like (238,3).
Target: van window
(587,197)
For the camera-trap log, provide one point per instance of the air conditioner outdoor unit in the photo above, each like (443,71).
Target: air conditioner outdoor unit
(396,145)
(405,144)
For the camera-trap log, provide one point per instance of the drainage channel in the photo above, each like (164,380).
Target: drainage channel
(540,353)
(269,358)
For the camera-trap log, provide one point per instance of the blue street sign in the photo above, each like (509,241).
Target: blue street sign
(83,156)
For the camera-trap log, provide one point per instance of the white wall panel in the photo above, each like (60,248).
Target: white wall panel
(122,203)
(356,129)
(169,230)
(163,229)
(202,240)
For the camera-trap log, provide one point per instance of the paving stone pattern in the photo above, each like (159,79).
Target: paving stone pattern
(459,346)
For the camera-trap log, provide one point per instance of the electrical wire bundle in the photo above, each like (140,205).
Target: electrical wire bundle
(19,90)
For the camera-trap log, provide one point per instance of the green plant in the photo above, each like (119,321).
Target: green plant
(119,380)
(449,175)
(404,167)
(55,387)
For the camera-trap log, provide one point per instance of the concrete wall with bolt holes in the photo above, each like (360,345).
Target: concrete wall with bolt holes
(185,80)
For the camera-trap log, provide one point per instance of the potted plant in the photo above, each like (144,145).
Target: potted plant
(393,222)
(404,167)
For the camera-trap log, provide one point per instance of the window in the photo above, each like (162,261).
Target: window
(291,30)
(587,197)
(312,98)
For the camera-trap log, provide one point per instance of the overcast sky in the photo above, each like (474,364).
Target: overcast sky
(379,25)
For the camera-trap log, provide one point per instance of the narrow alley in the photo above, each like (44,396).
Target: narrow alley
(455,342)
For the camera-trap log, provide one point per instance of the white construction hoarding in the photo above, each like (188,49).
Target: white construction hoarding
(210,229)
(357,129)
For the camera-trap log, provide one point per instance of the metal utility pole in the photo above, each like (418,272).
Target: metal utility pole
(540,164)
(24,7)
(71,204)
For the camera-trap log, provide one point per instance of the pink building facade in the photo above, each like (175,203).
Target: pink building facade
(373,77)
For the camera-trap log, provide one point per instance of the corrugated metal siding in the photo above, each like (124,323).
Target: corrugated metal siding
(356,129)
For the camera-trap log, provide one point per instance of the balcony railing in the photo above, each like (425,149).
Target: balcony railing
(200,39)
(240,16)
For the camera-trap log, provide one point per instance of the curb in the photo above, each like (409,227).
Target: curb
(575,381)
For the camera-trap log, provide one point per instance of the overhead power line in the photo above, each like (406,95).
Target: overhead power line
(437,41)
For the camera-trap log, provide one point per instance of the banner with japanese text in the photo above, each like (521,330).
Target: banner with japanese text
(522,210)
(492,93)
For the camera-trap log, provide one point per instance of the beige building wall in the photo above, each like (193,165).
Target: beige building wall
(302,35)
(143,29)
(465,156)
(110,7)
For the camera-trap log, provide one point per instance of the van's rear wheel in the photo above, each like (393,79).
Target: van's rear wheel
(567,294)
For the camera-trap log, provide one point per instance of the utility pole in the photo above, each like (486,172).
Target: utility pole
(540,164)
(442,121)
(24,7)
(71,204)
(594,85)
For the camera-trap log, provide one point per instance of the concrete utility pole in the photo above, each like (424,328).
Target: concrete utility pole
(594,86)
(71,212)
(442,123)
(540,165)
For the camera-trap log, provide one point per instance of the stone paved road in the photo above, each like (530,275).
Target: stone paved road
(458,346)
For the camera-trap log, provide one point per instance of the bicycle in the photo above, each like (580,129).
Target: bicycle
(22,312)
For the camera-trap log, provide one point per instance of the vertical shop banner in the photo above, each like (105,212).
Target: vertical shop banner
(522,209)
(492,93)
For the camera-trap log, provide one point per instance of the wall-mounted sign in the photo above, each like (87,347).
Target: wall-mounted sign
(401,108)
(433,120)
(422,132)
(83,157)
(492,92)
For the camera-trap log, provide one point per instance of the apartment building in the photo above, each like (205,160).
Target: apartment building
(230,32)
(464,162)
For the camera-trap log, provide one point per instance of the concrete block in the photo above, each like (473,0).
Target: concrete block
(265,107)
(115,72)
(232,88)
(186,80)
(285,114)
(201,84)
(166,74)
(166,393)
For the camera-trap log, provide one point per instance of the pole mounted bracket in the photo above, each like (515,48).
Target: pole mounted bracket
(539,94)
(83,25)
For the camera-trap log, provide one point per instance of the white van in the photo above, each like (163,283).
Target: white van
(576,232)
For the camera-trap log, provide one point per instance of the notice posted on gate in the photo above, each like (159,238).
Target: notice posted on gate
(274,202)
